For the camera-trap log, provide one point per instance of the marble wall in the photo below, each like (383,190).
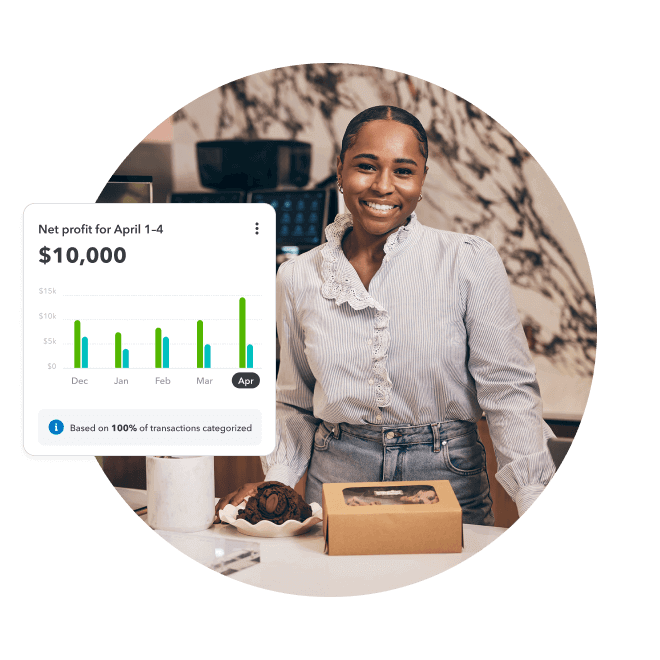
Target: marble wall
(481,181)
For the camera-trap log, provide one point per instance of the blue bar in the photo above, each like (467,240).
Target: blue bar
(166,352)
(85,353)
(125,358)
(207,356)
(249,356)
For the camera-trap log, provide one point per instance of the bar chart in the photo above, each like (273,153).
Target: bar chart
(161,345)
(149,308)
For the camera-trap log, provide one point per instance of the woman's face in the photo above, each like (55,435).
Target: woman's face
(382,176)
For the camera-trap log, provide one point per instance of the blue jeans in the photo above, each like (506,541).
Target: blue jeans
(452,451)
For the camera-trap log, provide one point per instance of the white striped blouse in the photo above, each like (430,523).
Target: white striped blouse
(436,337)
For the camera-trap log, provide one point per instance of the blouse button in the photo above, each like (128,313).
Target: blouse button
(371,381)
(369,342)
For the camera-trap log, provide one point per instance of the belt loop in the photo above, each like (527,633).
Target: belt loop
(437,445)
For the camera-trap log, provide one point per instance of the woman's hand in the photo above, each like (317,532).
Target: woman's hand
(235,498)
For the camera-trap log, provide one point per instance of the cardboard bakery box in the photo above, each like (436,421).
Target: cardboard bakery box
(395,517)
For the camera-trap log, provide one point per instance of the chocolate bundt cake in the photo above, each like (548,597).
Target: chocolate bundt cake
(275,502)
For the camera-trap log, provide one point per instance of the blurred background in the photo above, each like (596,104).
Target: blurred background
(274,137)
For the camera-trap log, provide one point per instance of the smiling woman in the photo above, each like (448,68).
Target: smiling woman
(395,337)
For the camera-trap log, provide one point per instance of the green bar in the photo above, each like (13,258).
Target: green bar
(241,333)
(117,350)
(159,344)
(76,344)
(200,344)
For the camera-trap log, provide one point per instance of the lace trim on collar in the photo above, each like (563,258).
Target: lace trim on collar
(346,286)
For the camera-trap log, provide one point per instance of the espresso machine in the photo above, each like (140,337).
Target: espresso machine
(274,172)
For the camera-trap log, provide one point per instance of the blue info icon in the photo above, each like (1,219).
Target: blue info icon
(56,427)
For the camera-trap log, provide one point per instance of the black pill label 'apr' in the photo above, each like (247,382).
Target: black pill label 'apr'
(245,379)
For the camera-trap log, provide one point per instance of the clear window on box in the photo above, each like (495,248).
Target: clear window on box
(370,495)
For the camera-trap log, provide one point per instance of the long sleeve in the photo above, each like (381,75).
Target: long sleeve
(504,375)
(295,424)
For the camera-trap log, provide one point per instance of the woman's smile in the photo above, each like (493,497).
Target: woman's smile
(382,208)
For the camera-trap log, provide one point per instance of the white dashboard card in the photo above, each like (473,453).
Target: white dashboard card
(149,329)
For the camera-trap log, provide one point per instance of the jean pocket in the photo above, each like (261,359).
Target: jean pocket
(465,455)
(322,437)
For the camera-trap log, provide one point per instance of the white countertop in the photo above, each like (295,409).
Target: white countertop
(298,565)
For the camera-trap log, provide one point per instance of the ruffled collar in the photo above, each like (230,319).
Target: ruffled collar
(340,281)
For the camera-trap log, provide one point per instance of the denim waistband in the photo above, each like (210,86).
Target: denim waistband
(405,434)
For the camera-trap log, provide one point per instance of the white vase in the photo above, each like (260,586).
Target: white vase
(180,493)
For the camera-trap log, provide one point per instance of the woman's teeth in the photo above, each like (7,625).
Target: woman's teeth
(379,207)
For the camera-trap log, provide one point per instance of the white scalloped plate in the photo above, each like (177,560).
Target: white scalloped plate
(267,529)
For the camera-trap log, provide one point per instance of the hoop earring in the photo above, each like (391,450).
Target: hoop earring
(341,190)
(420,197)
